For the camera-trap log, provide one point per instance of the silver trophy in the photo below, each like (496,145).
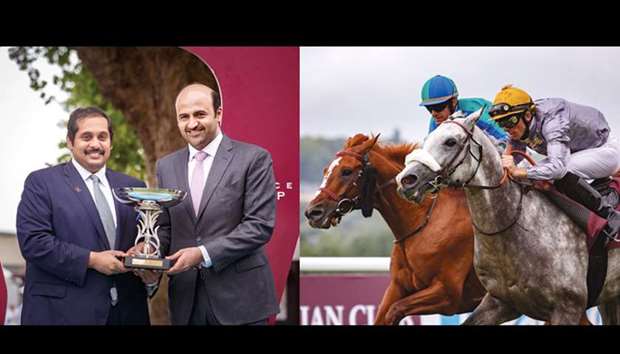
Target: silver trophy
(148,202)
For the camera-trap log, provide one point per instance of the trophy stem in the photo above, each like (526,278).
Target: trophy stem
(148,232)
(148,204)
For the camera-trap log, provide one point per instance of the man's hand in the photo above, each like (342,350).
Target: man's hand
(139,248)
(147,276)
(185,259)
(106,262)
(508,162)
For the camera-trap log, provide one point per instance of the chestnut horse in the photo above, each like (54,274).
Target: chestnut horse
(431,264)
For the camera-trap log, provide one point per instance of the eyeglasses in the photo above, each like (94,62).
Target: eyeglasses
(509,122)
(437,107)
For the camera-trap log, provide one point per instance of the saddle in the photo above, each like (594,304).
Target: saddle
(592,225)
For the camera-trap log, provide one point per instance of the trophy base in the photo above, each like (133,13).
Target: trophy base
(147,263)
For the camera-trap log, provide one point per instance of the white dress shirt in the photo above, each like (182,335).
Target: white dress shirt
(105,185)
(211,150)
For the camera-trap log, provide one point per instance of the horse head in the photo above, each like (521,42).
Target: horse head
(348,183)
(445,159)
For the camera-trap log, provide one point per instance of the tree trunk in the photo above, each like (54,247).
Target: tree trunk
(143,83)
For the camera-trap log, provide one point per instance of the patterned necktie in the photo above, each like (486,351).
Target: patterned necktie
(198,181)
(105,214)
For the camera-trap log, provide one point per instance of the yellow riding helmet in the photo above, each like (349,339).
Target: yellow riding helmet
(509,101)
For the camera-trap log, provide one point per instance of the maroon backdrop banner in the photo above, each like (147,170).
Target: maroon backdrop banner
(260,101)
(343,299)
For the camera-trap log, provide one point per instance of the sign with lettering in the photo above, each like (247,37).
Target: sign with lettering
(353,299)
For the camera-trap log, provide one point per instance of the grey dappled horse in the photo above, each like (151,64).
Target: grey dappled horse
(531,258)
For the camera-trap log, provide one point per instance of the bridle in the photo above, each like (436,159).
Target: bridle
(449,169)
(366,197)
(446,172)
(367,181)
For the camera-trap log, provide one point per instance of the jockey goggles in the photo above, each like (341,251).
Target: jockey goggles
(438,107)
(504,110)
(509,122)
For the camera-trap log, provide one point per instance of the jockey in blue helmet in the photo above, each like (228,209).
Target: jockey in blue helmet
(440,97)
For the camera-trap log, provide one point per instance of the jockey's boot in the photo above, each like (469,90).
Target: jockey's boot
(582,192)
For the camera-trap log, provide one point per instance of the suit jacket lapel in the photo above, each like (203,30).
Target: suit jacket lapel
(223,156)
(121,218)
(180,167)
(77,185)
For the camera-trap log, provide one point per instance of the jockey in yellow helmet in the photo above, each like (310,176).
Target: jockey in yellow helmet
(575,140)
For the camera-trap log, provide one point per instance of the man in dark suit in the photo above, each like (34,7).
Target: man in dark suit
(216,236)
(72,231)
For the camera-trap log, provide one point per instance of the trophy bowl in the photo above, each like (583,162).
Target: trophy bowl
(149,203)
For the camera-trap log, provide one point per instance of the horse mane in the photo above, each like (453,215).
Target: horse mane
(392,150)
(497,144)
(398,149)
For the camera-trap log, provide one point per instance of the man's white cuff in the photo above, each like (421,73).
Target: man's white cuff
(206,263)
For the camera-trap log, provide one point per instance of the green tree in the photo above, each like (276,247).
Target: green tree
(355,236)
(137,86)
(316,153)
(127,155)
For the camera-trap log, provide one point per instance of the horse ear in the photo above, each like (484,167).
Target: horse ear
(374,141)
(472,118)
(368,144)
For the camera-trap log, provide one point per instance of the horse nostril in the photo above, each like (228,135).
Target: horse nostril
(314,214)
(409,180)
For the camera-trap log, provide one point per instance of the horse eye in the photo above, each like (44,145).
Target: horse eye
(450,142)
(346,172)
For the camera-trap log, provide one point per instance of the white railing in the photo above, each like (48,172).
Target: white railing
(344,264)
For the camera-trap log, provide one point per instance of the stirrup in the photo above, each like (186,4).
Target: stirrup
(612,198)
(614,237)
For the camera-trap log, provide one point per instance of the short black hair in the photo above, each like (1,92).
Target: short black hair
(85,112)
(217,101)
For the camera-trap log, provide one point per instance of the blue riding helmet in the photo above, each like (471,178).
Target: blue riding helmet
(438,89)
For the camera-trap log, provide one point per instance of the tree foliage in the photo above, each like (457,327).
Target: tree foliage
(127,154)
(316,153)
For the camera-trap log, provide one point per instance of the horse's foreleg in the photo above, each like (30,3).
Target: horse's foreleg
(569,311)
(433,299)
(610,312)
(392,294)
(565,317)
(583,321)
(491,311)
